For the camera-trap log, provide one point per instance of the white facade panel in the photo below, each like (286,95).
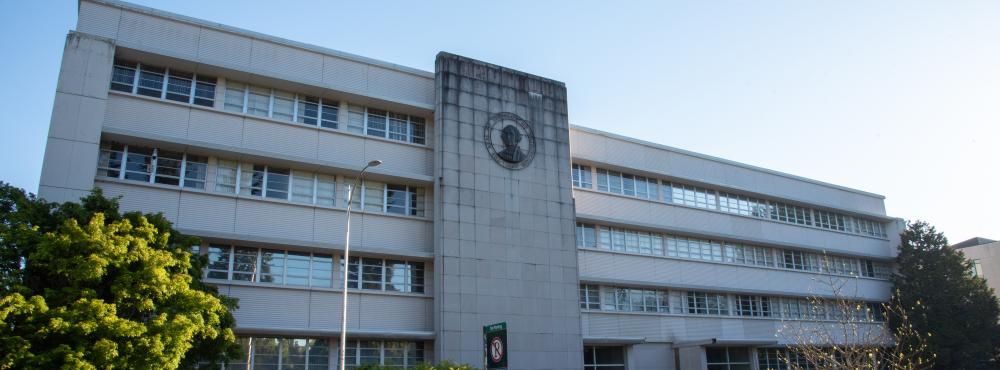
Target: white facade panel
(286,63)
(98,19)
(216,129)
(224,49)
(150,199)
(140,115)
(406,234)
(207,212)
(405,87)
(159,35)
(340,73)
(286,139)
(273,219)
(402,158)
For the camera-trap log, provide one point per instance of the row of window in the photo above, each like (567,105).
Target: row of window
(694,196)
(281,353)
(163,83)
(727,358)
(167,83)
(786,358)
(281,267)
(650,243)
(129,162)
(610,298)
(314,354)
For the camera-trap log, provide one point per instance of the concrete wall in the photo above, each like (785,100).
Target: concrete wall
(77,116)
(989,259)
(504,238)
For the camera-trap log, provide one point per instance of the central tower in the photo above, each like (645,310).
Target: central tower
(504,226)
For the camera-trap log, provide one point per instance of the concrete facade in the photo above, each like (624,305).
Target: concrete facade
(638,255)
(985,257)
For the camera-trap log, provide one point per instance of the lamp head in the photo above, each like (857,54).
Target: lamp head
(374,163)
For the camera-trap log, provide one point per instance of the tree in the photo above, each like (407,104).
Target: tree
(857,335)
(85,287)
(958,308)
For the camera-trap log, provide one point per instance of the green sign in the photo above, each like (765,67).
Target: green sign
(495,345)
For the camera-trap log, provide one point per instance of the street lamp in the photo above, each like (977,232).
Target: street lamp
(347,261)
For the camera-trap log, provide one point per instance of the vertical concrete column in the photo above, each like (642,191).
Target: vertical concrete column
(77,116)
(504,230)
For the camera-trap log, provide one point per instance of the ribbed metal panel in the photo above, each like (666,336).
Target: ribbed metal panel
(393,312)
(207,212)
(272,219)
(225,49)
(406,87)
(158,34)
(143,199)
(286,62)
(141,115)
(271,307)
(395,233)
(216,128)
(97,19)
(345,74)
(399,157)
(293,140)
(339,148)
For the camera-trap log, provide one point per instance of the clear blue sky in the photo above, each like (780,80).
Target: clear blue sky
(900,98)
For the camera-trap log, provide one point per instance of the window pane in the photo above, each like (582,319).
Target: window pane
(110,158)
(225,176)
(204,90)
(326,190)
(139,164)
(168,167)
(322,270)
(284,105)
(297,266)
(245,264)
(330,113)
(398,127)
(235,92)
(374,196)
(150,81)
(308,110)
(258,101)
(277,183)
(302,187)
(272,266)
(218,262)
(395,199)
(123,76)
(356,119)
(195,171)
(417,132)
(376,122)
(179,86)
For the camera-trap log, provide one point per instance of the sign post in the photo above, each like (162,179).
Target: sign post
(495,345)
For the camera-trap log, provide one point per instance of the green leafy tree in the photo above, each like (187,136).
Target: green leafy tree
(958,310)
(85,287)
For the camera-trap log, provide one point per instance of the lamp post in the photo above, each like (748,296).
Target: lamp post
(347,261)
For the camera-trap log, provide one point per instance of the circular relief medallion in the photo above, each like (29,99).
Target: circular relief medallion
(509,140)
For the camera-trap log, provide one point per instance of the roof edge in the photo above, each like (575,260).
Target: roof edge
(257,35)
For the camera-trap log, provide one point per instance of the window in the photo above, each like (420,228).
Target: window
(356,119)
(603,358)
(163,83)
(386,353)
(797,260)
(375,122)
(123,76)
(269,266)
(308,110)
(977,268)
(150,81)
(691,195)
(590,298)
(694,248)
(771,359)
(195,171)
(277,182)
(225,176)
(753,305)
(386,275)
(626,184)
(168,167)
(404,200)
(258,101)
(235,96)
(635,300)
(631,241)
(179,86)
(330,113)
(326,190)
(581,176)
(701,303)
(728,358)
(373,196)
(585,235)
(138,164)
(749,255)
(417,130)
(282,353)
(110,160)
(303,186)
(284,106)
(399,128)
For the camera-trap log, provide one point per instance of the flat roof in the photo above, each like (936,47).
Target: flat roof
(257,35)
(721,160)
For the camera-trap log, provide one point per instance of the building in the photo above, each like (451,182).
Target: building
(599,251)
(985,257)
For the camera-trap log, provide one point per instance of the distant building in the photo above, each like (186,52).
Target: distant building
(599,251)
(985,256)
